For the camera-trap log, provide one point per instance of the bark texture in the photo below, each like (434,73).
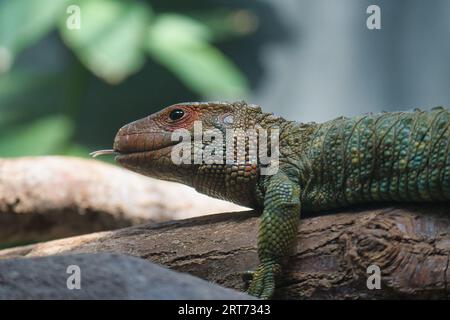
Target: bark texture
(410,245)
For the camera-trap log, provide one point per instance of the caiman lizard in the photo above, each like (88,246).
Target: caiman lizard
(391,156)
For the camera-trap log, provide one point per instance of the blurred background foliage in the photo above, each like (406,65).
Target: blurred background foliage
(67,91)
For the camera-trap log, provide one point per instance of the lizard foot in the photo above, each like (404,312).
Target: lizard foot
(263,283)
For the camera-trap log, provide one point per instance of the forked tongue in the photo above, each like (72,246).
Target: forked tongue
(102,153)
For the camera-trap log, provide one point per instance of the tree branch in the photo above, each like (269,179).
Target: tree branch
(44,198)
(411,246)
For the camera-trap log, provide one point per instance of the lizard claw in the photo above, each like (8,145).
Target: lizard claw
(263,283)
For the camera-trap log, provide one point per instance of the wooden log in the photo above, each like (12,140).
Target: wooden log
(410,246)
(43,198)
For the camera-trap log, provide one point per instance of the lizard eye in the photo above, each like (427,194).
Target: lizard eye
(176,114)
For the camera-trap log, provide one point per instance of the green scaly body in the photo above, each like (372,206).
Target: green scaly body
(400,156)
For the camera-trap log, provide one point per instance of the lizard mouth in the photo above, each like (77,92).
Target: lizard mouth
(137,145)
(142,146)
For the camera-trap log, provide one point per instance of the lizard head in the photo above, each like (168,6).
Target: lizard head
(146,145)
(165,145)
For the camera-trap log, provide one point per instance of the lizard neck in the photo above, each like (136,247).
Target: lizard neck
(239,182)
(228,182)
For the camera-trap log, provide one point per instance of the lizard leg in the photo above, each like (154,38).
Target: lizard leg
(277,231)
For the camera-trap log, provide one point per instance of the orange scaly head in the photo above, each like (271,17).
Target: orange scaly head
(145,146)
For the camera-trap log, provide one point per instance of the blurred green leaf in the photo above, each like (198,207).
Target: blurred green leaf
(181,44)
(44,136)
(110,40)
(23,22)
(26,95)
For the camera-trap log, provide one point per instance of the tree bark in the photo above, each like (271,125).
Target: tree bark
(410,245)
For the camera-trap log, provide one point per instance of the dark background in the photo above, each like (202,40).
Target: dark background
(309,60)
